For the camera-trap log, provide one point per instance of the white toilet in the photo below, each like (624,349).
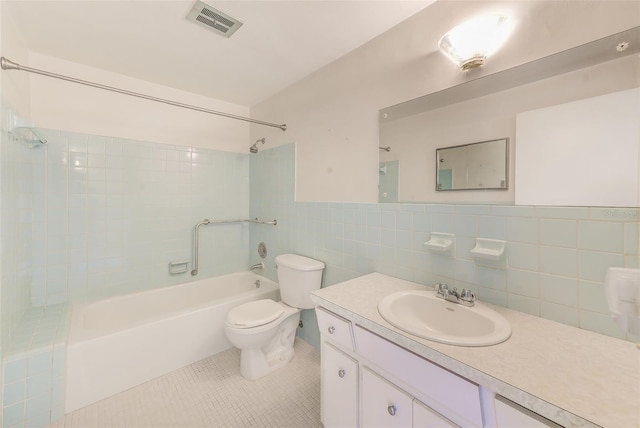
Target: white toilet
(264,330)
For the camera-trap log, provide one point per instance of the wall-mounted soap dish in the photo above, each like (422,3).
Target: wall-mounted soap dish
(489,249)
(441,242)
(178,267)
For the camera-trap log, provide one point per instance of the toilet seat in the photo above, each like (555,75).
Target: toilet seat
(254,314)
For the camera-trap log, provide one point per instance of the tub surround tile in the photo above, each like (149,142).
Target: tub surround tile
(584,394)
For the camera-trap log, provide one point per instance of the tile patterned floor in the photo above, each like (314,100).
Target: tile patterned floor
(212,393)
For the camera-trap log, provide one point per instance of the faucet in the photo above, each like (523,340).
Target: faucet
(464,297)
(257,266)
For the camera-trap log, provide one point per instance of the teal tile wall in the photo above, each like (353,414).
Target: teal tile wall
(111,214)
(16,219)
(556,261)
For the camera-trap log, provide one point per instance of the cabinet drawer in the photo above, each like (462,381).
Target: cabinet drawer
(384,404)
(339,382)
(335,328)
(510,414)
(445,392)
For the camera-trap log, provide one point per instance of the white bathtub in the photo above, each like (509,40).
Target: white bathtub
(120,342)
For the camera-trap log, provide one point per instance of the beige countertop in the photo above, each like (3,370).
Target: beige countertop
(571,376)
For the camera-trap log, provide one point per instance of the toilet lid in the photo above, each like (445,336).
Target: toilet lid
(253,314)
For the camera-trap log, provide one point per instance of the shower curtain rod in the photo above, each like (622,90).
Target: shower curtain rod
(7,64)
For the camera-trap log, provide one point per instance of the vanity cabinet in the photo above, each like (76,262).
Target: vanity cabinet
(370,382)
(450,395)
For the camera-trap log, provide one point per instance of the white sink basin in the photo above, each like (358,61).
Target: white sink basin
(421,313)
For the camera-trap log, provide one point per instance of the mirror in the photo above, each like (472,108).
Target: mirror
(485,109)
(476,166)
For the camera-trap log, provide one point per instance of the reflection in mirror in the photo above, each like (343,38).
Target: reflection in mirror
(486,108)
(476,166)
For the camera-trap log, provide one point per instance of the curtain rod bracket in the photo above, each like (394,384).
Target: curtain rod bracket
(7,64)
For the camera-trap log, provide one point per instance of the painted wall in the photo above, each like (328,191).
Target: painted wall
(65,106)
(332,114)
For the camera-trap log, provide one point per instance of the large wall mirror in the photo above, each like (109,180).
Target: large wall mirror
(486,109)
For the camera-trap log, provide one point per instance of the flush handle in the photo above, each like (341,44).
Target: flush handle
(392,410)
(341,373)
(331,329)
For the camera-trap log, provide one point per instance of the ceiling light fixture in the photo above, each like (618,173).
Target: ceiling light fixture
(469,44)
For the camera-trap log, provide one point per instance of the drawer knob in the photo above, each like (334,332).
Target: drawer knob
(341,373)
(392,410)
(331,329)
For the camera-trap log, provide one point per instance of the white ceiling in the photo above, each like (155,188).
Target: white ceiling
(279,43)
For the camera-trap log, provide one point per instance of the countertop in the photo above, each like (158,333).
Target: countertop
(571,376)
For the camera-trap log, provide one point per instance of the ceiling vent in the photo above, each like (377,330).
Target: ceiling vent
(208,17)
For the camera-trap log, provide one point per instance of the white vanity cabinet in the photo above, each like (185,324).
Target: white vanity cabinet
(454,397)
(370,382)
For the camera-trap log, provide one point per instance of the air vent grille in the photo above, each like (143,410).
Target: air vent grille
(213,19)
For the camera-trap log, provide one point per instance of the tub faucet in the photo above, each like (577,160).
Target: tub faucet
(257,266)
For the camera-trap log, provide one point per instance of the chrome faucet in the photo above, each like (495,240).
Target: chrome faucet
(257,266)
(464,297)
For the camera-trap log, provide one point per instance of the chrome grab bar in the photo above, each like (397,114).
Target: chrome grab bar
(206,221)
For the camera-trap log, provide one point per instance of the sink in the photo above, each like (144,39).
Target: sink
(421,313)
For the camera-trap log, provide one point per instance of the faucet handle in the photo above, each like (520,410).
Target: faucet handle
(467,295)
(440,288)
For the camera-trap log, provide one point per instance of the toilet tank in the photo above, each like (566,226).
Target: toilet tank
(298,276)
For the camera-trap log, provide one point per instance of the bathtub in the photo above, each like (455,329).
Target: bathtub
(120,342)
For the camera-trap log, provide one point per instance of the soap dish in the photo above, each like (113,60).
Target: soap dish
(490,249)
(440,242)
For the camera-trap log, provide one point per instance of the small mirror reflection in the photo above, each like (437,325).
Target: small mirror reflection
(476,166)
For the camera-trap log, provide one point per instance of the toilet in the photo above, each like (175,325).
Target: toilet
(264,330)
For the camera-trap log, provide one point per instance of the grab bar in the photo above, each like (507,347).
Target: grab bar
(206,221)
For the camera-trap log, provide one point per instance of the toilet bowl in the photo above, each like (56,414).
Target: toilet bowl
(264,330)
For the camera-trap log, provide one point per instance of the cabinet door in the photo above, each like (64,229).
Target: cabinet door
(424,417)
(383,404)
(339,382)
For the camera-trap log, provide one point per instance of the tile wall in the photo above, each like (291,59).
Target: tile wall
(556,257)
(102,216)
(111,214)
(16,239)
